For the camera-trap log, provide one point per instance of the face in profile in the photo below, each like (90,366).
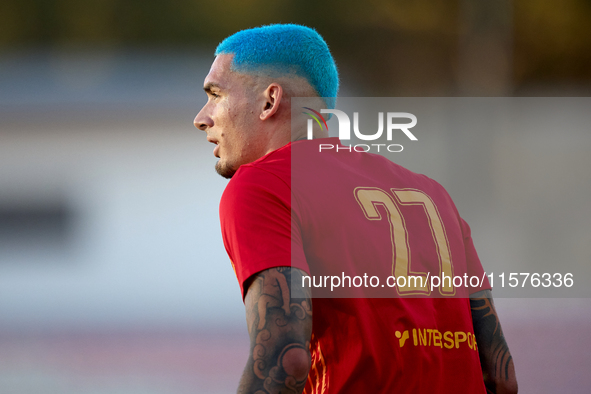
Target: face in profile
(230,117)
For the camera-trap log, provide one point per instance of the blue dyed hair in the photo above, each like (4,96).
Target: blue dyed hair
(287,49)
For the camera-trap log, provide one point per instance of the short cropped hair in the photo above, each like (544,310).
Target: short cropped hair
(283,50)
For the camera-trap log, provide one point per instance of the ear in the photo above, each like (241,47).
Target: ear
(272,96)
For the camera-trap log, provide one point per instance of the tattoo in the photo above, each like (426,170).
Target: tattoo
(495,358)
(279,319)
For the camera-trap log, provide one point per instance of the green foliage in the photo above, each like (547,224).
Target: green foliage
(395,46)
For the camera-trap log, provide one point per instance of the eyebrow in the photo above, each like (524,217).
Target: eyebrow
(209,86)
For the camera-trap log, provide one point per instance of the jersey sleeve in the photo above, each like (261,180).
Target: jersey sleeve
(257,226)
(473,264)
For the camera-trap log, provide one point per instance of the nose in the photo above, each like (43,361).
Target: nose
(203,121)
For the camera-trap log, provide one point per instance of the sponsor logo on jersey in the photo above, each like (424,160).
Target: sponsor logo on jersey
(436,338)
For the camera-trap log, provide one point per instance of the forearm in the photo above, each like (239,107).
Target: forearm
(280,325)
(272,373)
(495,358)
(282,376)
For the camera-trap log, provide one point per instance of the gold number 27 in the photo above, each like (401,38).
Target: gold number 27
(370,197)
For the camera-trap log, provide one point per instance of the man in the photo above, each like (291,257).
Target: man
(289,212)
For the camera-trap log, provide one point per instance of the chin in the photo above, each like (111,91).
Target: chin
(224,169)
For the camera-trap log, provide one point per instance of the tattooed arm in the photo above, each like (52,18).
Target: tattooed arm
(279,319)
(495,358)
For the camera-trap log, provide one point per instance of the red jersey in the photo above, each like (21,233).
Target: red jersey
(331,212)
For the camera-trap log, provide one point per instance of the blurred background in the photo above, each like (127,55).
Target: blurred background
(113,276)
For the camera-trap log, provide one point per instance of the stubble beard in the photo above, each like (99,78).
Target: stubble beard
(224,169)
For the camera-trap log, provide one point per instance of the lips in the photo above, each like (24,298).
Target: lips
(217,147)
